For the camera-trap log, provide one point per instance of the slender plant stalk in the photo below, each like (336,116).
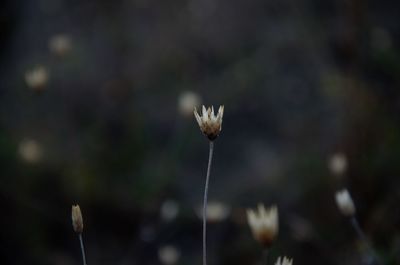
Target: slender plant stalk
(364,239)
(82,249)
(205,203)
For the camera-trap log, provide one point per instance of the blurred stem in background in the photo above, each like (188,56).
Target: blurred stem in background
(210,155)
(364,239)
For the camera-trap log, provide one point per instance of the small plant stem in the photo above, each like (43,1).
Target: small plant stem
(364,239)
(205,203)
(82,249)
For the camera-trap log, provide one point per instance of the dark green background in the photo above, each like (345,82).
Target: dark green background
(300,80)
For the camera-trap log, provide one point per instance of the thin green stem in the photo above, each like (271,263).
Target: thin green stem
(82,249)
(205,203)
(364,239)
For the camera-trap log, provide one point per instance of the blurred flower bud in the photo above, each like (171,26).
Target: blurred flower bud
(169,210)
(345,203)
(37,78)
(169,255)
(216,212)
(187,101)
(338,164)
(30,151)
(60,44)
(77,220)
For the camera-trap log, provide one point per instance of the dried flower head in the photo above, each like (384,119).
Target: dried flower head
(210,124)
(345,203)
(264,224)
(284,261)
(77,221)
(37,78)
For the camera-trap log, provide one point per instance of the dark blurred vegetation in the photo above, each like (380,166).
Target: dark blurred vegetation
(300,81)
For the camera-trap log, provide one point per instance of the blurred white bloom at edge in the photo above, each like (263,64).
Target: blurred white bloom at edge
(284,261)
(169,255)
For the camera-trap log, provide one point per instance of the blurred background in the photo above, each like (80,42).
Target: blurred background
(96,102)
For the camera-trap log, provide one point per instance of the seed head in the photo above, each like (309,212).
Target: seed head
(284,261)
(77,221)
(209,123)
(345,203)
(264,224)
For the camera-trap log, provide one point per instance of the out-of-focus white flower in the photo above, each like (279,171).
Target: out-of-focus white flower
(216,211)
(284,261)
(37,78)
(187,101)
(168,255)
(169,210)
(345,203)
(60,44)
(30,151)
(209,123)
(264,224)
(338,164)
